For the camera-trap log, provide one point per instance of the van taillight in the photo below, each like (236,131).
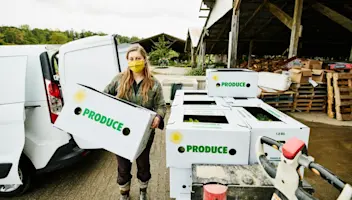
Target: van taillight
(53,117)
(54,99)
(54,90)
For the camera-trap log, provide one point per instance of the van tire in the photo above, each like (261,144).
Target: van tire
(27,170)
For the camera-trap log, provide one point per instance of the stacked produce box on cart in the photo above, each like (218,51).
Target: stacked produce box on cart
(219,126)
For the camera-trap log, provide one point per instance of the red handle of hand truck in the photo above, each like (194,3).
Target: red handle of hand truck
(214,192)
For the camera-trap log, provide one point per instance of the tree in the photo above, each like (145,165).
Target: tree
(162,52)
(134,39)
(40,35)
(13,36)
(29,37)
(58,38)
(25,35)
(2,36)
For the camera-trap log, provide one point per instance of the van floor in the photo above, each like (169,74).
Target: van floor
(95,177)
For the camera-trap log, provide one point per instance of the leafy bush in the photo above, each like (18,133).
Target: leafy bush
(196,72)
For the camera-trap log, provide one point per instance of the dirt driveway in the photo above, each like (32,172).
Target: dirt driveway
(95,177)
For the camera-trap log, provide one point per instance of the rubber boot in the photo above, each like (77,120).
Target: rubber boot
(143,190)
(125,191)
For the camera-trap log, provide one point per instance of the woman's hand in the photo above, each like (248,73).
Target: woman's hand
(156,122)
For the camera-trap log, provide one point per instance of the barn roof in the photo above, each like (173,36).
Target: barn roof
(177,44)
(320,35)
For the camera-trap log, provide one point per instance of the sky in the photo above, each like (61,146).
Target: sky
(141,18)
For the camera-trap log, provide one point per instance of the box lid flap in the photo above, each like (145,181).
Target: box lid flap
(306,72)
(296,70)
(117,99)
(233,70)
(317,72)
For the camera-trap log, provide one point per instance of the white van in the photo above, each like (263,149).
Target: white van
(32,91)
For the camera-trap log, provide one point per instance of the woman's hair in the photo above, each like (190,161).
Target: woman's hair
(125,86)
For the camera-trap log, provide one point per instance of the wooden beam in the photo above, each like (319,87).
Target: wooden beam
(237,4)
(296,28)
(333,15)
(281,15)
(234,37)
(253,16)
(221,32)
(348,7)
(173,42)
(269,21)
(279,41)
(250,53)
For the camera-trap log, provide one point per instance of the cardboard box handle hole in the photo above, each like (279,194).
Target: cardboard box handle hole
(78,111)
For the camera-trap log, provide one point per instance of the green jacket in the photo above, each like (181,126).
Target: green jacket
(155,101)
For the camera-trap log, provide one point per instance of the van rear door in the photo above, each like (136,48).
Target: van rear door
(91,61)
(12,116)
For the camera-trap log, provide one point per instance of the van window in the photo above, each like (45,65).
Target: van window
(55,64)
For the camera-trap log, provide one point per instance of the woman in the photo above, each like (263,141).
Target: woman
(138,86)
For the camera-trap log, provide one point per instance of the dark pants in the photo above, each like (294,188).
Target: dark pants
(143,165)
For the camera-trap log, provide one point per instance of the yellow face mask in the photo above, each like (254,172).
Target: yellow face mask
(136,66)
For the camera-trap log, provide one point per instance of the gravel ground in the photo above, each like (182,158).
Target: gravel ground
(95,177)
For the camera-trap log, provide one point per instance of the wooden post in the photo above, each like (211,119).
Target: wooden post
(296,28)
(229,51)
(234,34)
(203,54)
(250,54)
(193,57)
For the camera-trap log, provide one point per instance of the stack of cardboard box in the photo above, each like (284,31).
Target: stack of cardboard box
(309,74)
(220,125)
(308,71)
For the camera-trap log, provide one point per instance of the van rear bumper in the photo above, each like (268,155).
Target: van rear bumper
(64,156)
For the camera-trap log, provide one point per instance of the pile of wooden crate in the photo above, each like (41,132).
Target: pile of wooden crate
(309,98)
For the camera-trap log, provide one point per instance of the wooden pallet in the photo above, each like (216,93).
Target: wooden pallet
(282,106)
(330,108)
(307,88)
(309,105)
(340,96)
(309,98)
(278,96)
(282,101)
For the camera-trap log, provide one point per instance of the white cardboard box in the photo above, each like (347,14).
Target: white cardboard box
(281,128)
(199,102)
(220,137)
(232,82)
(238,102)
(274,81)
(180,182)
(101,119)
